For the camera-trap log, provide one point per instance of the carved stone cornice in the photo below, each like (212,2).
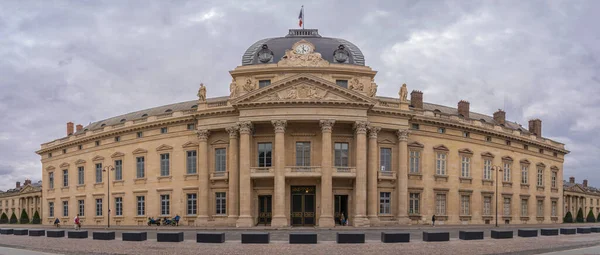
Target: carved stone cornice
(279,125)
(245,127)
(326,125)
(403,134)
(373,131)
(360,127)
(203,134)
(233,131)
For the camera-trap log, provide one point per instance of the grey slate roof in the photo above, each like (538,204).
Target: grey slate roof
(590,189)
(473,115)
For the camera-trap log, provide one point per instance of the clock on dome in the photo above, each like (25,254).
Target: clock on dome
(303,48)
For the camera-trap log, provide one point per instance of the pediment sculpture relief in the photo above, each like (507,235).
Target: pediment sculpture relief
(249,85)
(355,84)
(301,92)
(373,88)
(291,58)
(232,88)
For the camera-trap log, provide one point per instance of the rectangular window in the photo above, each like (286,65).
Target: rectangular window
(415,126)
(80,147)
(554,213)
(50,208)
(191,127)
(540,177)
(524,173)
(99,207)
(263,83)
(165,205)
(81,207)
(487,205)
(506,211)
(64,151)
(97,143)
(385,159)
(118,206)
(342,83)
(341,154)
(506,172)
(50,154)
(466,134)
(413,207)
(525,147)
(221,203)
(164,164)
(384,203)
(440,204)
(117,138)
(542,151)
(163,130)
(81,175)
(65,208)
(140,173)
(220,160)
(65,178)
(487,169)
(524,209)
(191,204)
(118,170)
(508,142)
(415,160)
(553,179)
(191,162)
(302,153)
(99,173)
(440,163)
(141,205)
(465,167)
(465,205)
(555,154)
(441,130)
(140,134)
(264,154)
(540,208)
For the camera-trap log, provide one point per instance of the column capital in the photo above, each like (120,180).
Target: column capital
(279,125)
(361,127)
(245,127)
(403,134)
(203,134)
(233,131)
(326,125)
(373,131)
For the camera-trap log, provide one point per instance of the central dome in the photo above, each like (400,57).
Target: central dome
(273,49)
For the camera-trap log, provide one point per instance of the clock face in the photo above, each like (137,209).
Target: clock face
(303,49)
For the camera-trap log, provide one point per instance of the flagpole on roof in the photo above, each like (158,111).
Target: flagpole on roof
(302,16)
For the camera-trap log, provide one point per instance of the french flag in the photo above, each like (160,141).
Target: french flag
(301,17)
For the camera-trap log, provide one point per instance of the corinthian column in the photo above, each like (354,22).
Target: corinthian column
(360,187)
(402,176)
(372,176)
(326,217)
(279,219)
(245,219)
(203,176)
(232,165)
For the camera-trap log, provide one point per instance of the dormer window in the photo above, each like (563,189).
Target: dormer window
(163,130)
(415,126)
(263,83)
(342,83)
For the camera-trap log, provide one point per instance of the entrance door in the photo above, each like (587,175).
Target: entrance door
(264,210)
(341,206)
(303,205)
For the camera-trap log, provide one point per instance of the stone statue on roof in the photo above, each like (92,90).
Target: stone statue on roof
(202,93)
(403,93)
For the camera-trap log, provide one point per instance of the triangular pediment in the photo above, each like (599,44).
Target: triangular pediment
(50,168)
(140,151)
(26,189)
(64,165)
(219,142)
(576,188)
(487,154)
(441,147)
(415,145)
(117,155)
(164,147)
(79,162)
(507,158)
(98,158)
(190,145)
(303,88)
(541,165)
(465,151)
(386,141)
(554,168)
(524,161)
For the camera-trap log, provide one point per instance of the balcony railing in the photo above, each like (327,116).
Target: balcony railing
(261,172)
(344,171)
(386,175)
(303,171)
(219,176)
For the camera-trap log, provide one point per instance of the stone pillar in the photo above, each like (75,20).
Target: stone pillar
(372,197)
(360,186)
(203,177)
(402,182)
(279,219)
(232,164)
(326,217)
(245,219)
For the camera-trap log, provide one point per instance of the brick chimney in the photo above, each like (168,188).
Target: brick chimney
(463,108)
(571,179)
(416,99)
(27,182)
(500,117)
(79,127)
(18,185)
(535,127)
(70,128)
(585,183)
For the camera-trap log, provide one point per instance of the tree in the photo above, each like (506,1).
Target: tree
(579,218)
(3,219)
(568,218)
(24,217)
(590,217)
(13,218)
(36,218)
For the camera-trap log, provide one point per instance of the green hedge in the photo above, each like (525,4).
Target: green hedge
(590,217)
(36,218)
(3,219)
(568,218)
(24,217)
(579,218)
(13,218)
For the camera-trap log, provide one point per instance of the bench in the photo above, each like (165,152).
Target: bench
(568,231)
(210,237)
(525,232)
(6,231)
(37,232)
(436,236)
(169,237)
(55,233)
(78,234)
(134,236)
(549,231)
(103,235)
(256,237)
(20,232)
(302,238)
(584,230)
(350,237)
(502,234)
(595,229)
(470,235)
(395,237)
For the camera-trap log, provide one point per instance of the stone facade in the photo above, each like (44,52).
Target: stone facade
(301,142)
(580,196)
(27,196)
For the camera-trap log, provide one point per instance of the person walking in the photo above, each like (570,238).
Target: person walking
(342,219)
(433,220)
(77,222)
(57,223)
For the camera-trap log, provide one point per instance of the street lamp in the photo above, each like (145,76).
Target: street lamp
(498,169)
(107,169)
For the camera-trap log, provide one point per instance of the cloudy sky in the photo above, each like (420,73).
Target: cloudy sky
(84,61)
